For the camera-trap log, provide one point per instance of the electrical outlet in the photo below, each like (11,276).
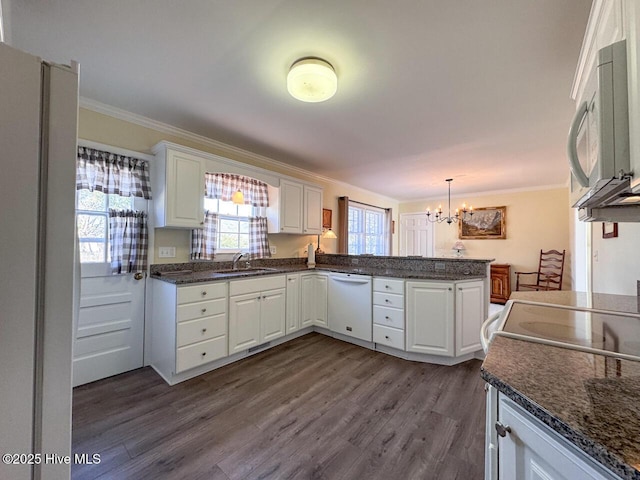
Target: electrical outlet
(355,261)
(166,252)
(273,249)
(440,266)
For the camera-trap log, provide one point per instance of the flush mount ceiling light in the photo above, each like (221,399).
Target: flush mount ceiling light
(312,80)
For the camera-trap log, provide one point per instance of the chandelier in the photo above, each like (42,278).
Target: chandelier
(438,217)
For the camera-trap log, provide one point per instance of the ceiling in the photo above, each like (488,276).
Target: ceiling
(427,89)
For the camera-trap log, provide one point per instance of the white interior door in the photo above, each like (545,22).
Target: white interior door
(110,334)
(416,235)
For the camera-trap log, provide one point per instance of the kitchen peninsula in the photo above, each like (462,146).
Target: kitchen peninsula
(206,315)
(583,405)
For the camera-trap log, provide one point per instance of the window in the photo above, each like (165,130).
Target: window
(367,231)
(92,220)
(233,224)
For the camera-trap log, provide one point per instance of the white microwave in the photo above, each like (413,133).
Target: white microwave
(598,145)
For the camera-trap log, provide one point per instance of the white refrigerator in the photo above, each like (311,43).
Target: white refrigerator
(38,131)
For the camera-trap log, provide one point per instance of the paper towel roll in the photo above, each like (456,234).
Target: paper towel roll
(311,256)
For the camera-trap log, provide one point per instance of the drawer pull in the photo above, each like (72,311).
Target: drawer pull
(203,310)
(264,296)
(204,293)
(387,317)
(387,300)
(387,337)
(387,286)
(204,330)
(204,354)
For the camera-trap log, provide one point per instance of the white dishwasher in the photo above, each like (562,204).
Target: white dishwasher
(350,311)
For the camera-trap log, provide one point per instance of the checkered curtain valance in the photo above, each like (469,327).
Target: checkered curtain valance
(223,185)
(128,241)
(111,173)
(203,240)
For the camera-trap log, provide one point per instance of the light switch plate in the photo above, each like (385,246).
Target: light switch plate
(166,252)
(440,266)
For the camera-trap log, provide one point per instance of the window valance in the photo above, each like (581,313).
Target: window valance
(222,186)
(111,173)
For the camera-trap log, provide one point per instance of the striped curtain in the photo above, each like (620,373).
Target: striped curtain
(258,239)
(222,186)
(128,241)
(203,240)
(111,173)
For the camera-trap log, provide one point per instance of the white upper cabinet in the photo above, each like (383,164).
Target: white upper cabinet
(295,208)
(291,195)
(178,188)
(312,210)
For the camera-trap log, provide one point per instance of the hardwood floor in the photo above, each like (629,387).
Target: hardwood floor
(313,408)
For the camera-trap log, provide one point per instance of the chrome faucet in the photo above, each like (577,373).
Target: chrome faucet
(236,257)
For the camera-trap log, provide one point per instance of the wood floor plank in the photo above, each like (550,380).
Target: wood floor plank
(315,407)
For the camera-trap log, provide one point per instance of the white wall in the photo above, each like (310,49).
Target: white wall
(616,261)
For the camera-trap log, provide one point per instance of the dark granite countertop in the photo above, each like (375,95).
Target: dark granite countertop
(187,277)
(591,400)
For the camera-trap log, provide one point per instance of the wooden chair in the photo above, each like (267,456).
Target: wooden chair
(549,274)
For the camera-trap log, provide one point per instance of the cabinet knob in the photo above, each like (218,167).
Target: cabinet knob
(387,337)
(204,354)
(264,296)
(281,228)
(203,310)
(204,292)
(387,286)
(201,223)
(502,429)
(386,300)
(258,298)
(204,330)
(460,288)
(386,317)
(450,288)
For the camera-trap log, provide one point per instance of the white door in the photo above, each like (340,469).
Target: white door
(469,316)
(272,315)
(110,335)
(244,321)
(416,235)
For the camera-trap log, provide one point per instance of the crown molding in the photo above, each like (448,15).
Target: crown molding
(104,109)
(491,192)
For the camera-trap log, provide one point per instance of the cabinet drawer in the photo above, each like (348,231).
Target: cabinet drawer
(270,282)
(388,285)
(388,300)
(392,337)
(204,291)
(193,331)
(201,309)
(200,353)
(389,317)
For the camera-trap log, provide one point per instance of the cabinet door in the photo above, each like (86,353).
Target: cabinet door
(184,201)
(272,314)
(530,450)
(320,292)
(244,321)
(430,320)
(293,303)
(312,210)
(307,299)
(469,316)
(291,195)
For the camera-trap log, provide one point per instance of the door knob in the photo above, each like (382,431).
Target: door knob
(138,276)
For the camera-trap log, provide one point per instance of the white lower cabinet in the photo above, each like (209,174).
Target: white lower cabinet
(189,326)
(430,318)
(444,318)
(257,309)
(388,312)
(313,299)
(529,449)
(293,303)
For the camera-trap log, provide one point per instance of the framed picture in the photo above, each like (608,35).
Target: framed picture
(485,224)
(609,230)
(326,218)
